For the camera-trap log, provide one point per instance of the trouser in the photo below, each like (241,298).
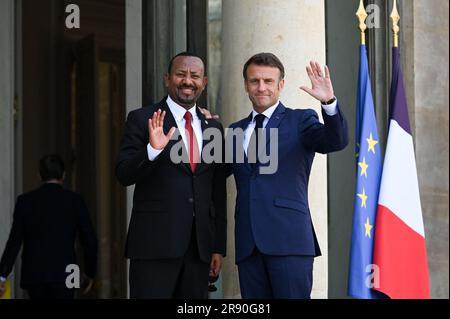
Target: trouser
(181,278)
(276,277)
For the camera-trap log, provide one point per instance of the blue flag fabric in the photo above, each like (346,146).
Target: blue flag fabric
(362,274)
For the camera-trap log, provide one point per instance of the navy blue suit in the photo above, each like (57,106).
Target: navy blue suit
(272,213)
(46,223)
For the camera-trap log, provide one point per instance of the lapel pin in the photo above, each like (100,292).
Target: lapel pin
(206,122)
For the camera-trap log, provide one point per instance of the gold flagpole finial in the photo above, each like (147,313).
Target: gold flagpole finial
(362,15)
(395,17)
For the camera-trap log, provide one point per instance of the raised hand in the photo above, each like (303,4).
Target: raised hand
(158,140)
(322,88)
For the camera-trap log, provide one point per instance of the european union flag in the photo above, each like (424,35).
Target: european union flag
(362,273)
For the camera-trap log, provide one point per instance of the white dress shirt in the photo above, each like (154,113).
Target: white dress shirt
(178,113)
(330,110)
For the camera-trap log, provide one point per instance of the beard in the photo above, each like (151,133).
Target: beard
(187,98)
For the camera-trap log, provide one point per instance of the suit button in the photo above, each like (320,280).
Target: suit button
(191,200)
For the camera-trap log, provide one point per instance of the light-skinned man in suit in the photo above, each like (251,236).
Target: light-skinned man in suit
(275,239)
(46,223)
(177,233)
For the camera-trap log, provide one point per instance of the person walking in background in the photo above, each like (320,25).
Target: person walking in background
(46,223)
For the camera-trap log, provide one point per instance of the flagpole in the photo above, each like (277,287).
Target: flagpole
(395,17)
(362,15)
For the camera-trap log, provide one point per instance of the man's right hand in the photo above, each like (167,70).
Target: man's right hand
(208,114)
(158,140)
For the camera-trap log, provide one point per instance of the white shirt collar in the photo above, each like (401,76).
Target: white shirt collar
(268,113)
(179,111)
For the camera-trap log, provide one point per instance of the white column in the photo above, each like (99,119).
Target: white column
(426,81)
(133,72)
(6,119)
(294,30)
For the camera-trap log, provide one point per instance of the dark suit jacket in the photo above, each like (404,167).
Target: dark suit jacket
(272,211)
(167,194)
(46,222)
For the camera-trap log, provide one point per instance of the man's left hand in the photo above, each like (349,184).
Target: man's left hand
(322,88)
(216,265)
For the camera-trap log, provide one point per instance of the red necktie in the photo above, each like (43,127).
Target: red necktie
(192,142)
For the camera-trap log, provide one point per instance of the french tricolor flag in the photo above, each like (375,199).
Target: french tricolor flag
(400,247)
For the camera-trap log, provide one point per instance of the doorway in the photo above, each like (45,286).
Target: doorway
(97,108)
(74,105)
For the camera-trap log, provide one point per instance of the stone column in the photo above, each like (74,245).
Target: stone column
(294,30)
(424,49)
(6,119)
(133,72)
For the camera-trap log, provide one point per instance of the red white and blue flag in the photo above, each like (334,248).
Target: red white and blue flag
(399,247)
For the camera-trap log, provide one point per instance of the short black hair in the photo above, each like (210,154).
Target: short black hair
(266,59)
(51,167)
(186,53)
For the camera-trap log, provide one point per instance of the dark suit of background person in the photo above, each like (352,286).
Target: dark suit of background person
(171,250)
(275,239)
(46,222)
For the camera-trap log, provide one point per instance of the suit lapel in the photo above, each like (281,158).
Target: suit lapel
(274,122)
(271,127)
(205,125)
(243,125)
(169,122)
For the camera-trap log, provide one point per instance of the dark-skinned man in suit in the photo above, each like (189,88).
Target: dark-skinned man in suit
(177,232)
